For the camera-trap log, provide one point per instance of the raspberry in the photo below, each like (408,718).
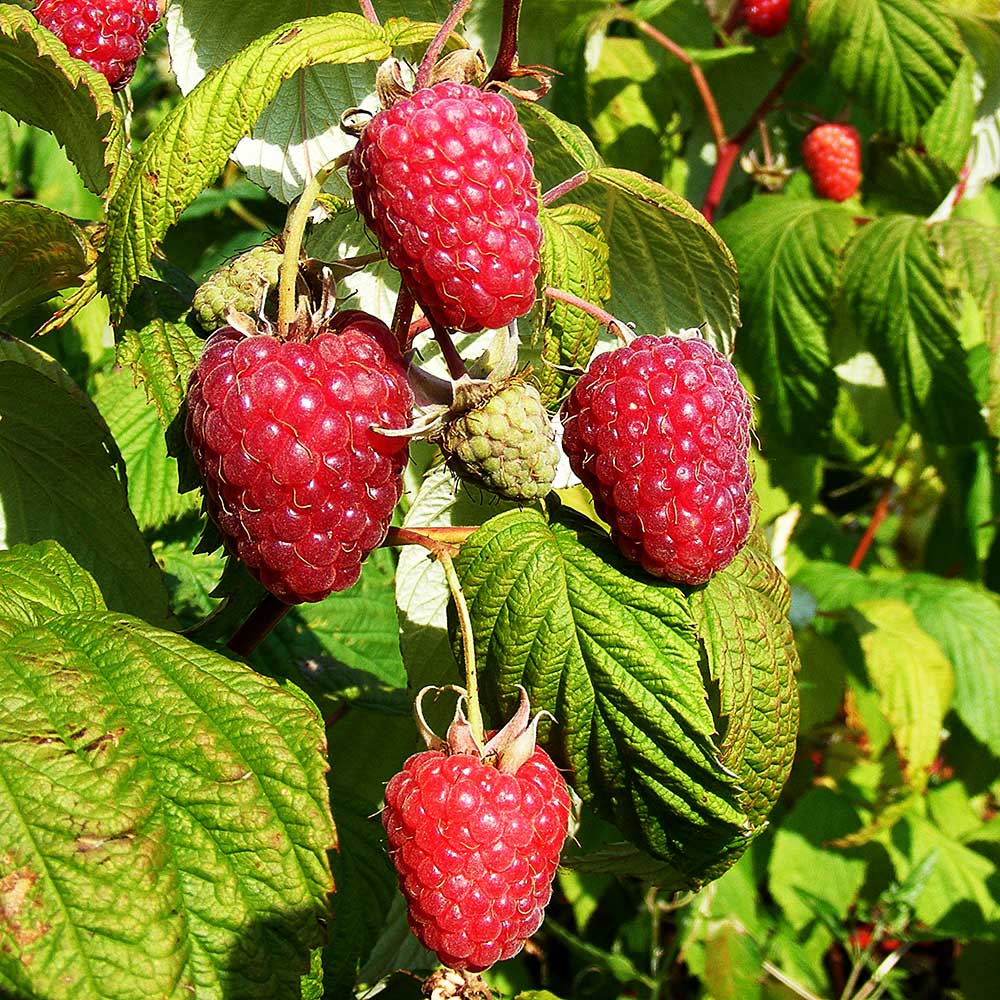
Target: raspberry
(237,285)
(107,34)
(446,182)
(505,444)
(832,155)
(298,481)
(476,841)
(765,17)
(659,432)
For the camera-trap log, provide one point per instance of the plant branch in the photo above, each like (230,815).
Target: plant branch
(731,148)
(874,986)
(258,625)
(775,973)
(701,84)
(435,540)
(468,646)
(564,187)
(878,516)
(438,43)
(369,11)
(506,61)
(456,366)
(621,330)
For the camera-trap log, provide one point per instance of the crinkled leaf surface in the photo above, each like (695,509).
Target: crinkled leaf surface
(300,129)
(190,146)
(742,615)
(616,659)
(896,57)
(787,251)
(42,252)
(41,581)
(899,299)
(574,259)
(60,479)
(164,818)
(43,85)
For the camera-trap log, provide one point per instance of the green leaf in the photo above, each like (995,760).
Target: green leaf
(958,898)
(896,57)
(947,135)
(913,678)
(802,853)
(164,818)
(615,659)
(300,129)
(43,85)
(60,480)
(152,474)
(40,582)
(732,963)
(973,251)
(191,144)
(963,619)
(897,294)
(159,346)
(669,269)
(42,252)
(742,616)
(574,259)
(982,37)
(787,251)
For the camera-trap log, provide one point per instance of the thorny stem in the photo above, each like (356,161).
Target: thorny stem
(564,187)
(731,148)
(456,366)
(295,228)
(468,646)
(616,326)
(369,11)
(438,43)
(701,84)
(506,61)
(258,625)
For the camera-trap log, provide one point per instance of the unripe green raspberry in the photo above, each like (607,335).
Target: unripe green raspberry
(505,444)
(237,285)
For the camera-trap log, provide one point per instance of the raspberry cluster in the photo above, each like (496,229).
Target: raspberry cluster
(108,34)
(832,155)
(297,477)
(476,850)
(659,432)
(445,181)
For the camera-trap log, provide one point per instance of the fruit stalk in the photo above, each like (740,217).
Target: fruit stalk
(258,625)
(506,60)
(368,11)
(468,646)
(295,228)
(438,43)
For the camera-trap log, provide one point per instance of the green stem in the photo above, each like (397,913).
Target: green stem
(295,229)
(468,646)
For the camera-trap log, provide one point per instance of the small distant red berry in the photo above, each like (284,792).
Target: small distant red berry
(445,181)
(107,34)
(765,17)
(297,477)
(659,432)
(832,155)
(476,850)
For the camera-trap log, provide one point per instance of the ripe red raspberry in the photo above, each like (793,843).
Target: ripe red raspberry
(446,182)
(476,850)
(765,17)
(297,480)
(659,432)
(107,34)
(832,155)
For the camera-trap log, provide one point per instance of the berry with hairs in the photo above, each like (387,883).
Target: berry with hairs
(445,181)
(285,433)
(238,285)
(832,155)
(659,432)
(765,17)
(108,34)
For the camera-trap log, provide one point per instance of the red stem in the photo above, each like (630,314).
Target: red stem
(564,187)
(447,539)
(616,326)
(456,366)
(733,19)
(506,61)
(878,516)
(731,148)
(705,92)
(369,11)
(438,43)
(258,625)
(403,317)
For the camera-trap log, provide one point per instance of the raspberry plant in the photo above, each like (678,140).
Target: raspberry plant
(357,349)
